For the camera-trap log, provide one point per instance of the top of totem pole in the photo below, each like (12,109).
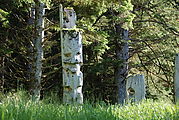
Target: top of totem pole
(69,18)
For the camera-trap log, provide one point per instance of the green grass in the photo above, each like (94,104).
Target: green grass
(18,107)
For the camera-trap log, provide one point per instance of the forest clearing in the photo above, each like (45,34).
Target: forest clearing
(18,107)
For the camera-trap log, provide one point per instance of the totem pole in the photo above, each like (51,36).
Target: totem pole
(71,52)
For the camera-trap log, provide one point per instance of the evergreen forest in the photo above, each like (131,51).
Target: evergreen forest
(120,38)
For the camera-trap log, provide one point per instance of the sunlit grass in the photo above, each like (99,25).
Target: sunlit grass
(18,107)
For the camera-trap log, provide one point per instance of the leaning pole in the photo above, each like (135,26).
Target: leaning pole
(71,53)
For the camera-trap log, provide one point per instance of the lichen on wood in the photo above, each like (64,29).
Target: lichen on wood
(37,43)
(71,47)
(135,88)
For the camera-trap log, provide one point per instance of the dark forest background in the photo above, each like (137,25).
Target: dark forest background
(153,39)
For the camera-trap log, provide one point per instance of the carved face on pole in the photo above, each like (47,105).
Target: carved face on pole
(72,47)
(71,59)
(135,88)
(69,18)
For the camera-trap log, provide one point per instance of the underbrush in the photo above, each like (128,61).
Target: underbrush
(17,106)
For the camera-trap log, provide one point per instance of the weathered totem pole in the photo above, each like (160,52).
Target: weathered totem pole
(176,80)
(71,49)
(135,88)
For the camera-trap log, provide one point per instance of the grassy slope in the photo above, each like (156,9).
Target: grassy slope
(15,107)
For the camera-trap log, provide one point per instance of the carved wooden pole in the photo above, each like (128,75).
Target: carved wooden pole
(71,48)
(135,88)
(176,80)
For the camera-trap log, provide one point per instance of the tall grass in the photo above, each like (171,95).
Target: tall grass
(18,107)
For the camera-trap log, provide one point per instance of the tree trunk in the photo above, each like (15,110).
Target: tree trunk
(2,74)
(39,37)
(71,48)
(176,80)
(31,61)
(122,54)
